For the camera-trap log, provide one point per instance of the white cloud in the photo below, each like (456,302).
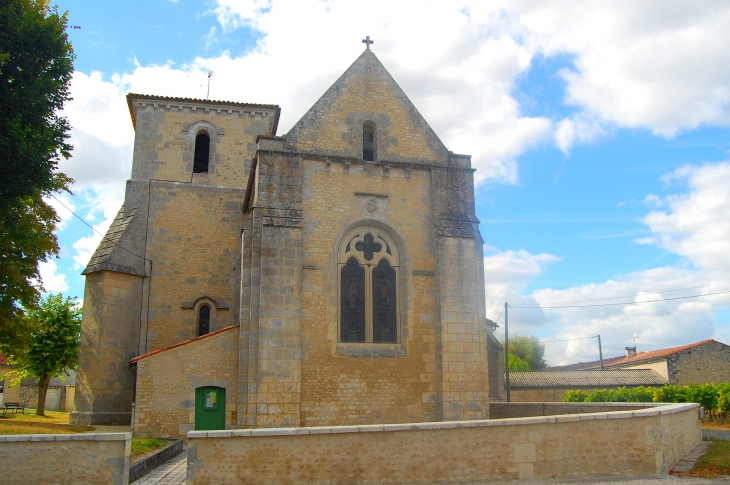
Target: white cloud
(50,279)
(576,129)
(655,65)
(506,274)
(697,224)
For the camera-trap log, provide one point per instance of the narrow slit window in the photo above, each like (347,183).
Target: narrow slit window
(202,153)
(203,320)
(368,141)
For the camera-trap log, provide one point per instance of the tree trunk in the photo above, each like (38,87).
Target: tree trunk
(40,409)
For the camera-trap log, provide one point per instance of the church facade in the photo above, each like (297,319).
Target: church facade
(329,276)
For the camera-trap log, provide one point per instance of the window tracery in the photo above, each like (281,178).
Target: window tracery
(368,277)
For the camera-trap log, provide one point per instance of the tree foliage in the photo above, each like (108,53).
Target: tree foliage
(36,64)
(51,346)
(517,364)
(529,349)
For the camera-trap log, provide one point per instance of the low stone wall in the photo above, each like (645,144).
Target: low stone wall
(501,410)
(614,444)
(78,459)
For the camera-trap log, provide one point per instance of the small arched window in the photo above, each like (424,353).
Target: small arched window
(368,141)
(202,153)
(203,320)
(368,265)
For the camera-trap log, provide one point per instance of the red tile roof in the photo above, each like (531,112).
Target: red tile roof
(140,357)
(661,353)
(4,360)
(638,358)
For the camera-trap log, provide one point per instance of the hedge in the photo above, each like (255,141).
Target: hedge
(714,398)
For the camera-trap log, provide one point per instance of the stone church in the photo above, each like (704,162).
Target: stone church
(332,275)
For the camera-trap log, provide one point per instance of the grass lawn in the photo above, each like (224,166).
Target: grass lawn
(714,464)
(56,422)
(142,446)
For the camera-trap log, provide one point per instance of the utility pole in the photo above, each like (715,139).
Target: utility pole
(600,351)
(506,349)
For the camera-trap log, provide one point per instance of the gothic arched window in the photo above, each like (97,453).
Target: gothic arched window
(368,141)
(368,274)
(201,155)
(203,320)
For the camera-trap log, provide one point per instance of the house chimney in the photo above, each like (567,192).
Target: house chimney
(630,352)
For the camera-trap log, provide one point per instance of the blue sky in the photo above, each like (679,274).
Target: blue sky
(599,131)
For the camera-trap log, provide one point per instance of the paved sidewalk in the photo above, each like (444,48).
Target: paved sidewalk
(172,472)
(716,434)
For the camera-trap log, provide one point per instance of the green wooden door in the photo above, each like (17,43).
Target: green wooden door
(210,408)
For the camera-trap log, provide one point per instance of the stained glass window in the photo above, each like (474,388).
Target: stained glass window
(352,302)
(368,299)
(384,303)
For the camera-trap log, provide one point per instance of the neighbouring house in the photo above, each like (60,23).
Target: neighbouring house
(331,275)
(7,393)
(698,363)
(550,386)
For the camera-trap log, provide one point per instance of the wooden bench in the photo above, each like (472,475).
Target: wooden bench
(13,406)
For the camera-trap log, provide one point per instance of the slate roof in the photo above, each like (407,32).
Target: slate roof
(112,237)
(585,378)
(144,356)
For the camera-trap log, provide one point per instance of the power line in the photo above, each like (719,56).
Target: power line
(566,340)
(631,296)
(625,303)
(116,243)
(500,315)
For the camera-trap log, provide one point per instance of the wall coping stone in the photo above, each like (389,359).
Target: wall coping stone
(653,409)
(66,437)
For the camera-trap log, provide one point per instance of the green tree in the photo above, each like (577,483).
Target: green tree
(51,347)
(529,349)
(36,64)
(517,364)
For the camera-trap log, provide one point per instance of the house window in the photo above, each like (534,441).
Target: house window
(368,276)
(203,320)
(202,153)
(368,141)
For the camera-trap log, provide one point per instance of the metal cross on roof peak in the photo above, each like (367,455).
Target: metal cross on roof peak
(367,42)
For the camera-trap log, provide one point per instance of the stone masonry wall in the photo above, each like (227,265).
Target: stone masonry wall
(165,140)
(366,92)
(699,365)
(166,383)
(367,383)
(574,447)
(193,241)
(109,338)
(78,459)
